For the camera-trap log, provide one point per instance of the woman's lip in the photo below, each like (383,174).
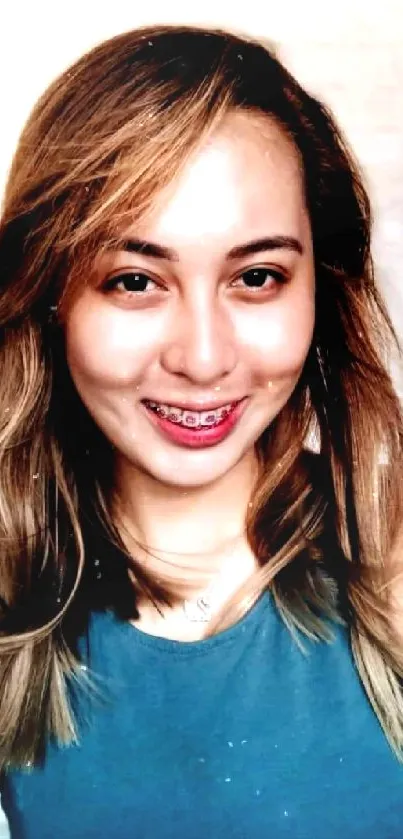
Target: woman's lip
(196,406)
(197,438)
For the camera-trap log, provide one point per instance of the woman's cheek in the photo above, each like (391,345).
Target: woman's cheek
(110,345)
(279,341)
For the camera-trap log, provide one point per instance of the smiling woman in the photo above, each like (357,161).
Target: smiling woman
(186,294)
(213,298)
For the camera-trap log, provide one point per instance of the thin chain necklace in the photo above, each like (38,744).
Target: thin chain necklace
(200,610)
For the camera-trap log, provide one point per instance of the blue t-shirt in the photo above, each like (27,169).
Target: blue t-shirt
(241,735)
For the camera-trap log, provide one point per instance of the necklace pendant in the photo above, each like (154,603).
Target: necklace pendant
(198,610)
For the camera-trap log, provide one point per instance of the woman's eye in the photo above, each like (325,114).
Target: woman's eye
(260,278)
(135,282)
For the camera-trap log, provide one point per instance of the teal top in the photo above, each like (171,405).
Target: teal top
(241,735)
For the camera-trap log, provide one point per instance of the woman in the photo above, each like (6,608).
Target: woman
(200,614)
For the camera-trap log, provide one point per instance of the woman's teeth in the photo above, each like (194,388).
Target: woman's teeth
(190,419)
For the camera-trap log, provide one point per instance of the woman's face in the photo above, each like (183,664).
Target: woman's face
(185,351)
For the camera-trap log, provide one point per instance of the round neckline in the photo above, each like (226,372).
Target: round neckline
(200,646)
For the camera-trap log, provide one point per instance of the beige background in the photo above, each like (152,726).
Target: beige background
(350,53)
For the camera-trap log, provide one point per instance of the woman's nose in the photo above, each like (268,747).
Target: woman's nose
(202,346)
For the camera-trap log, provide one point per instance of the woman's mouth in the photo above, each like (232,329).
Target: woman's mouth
(188,418)
(194,429)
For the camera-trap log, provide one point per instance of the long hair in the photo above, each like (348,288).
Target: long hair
(99,146)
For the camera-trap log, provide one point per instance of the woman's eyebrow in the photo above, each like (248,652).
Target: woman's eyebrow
(268,243)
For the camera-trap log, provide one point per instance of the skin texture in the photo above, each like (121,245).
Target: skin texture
(199,333)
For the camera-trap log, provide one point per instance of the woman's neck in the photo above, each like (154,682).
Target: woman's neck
(184,522)
(194,539)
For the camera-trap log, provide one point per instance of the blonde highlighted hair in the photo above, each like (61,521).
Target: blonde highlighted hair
(99,146)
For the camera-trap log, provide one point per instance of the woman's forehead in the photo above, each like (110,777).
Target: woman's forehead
(246,179)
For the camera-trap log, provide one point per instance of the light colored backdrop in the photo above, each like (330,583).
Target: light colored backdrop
(350,53)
